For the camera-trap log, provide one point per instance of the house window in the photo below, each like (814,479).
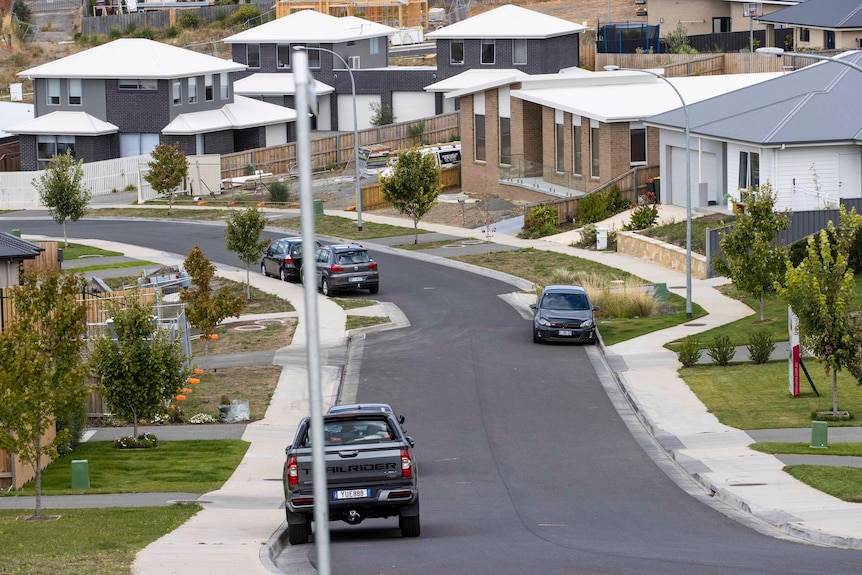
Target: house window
(49,146)
(223,85)
(576,149)
(177,91)
(252,55)
(505,141)
(720,24)
(559,147)
(374,45)
(193,90)
(637,136)
(829,39)
(804,35)
(594,151)
(479,128)
(749,170)
(74,91)
(313,56)
(488,51)
(353,62)
(53,91)
(138,84)
(456,51)
(519,51)
(282,53)
(208,87)
(137,144)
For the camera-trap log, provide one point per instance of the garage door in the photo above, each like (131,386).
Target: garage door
(363,110)
(412,105)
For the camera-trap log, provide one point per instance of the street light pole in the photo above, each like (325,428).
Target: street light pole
(688,312)
(357,187)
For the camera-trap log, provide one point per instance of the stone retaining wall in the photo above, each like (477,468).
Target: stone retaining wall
(657,252)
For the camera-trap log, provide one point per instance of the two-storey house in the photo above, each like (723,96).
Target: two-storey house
(125,97)
(338,49)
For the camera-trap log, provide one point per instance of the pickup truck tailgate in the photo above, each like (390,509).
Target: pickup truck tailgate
(350,465)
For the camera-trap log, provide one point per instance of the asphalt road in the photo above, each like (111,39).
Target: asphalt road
(529,461)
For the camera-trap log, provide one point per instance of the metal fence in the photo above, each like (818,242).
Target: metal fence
(802,224)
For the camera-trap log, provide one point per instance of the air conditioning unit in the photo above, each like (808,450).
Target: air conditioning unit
(353,62)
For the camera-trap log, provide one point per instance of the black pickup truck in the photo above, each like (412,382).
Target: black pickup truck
(370,472)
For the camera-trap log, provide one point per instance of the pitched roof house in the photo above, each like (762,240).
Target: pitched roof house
(567,134)
(361,51)
(125,97)
(800,131)
(710,16)
(821,24)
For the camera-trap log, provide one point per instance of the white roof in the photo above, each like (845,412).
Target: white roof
(64,124)
(311,26)
(12,113)
(507,21)
(242,113)
(274,84)
(133,58)
(476,78)
(631,96)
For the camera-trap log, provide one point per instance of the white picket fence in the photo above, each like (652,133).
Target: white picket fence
(110,176)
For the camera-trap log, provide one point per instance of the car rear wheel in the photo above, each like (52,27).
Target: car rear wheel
(536,336)
(263,270)
(282,275)
(324,287)
(409,526)
(297,533)
(374,290)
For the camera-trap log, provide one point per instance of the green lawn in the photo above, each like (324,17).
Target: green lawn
(183,466)
(842,449)
(346,228)
(674,233)
(845,483)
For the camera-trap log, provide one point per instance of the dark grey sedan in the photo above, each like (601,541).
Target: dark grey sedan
(564,313)
(346,266)
(283,259)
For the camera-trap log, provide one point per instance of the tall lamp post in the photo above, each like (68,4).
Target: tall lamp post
(357,188)
(781,52)
(687,180)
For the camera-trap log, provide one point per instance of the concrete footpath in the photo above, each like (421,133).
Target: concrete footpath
(248,510)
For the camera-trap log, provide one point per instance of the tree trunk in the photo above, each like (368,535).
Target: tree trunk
(38,432)
(415,231)
(834,390)
(134,422)
(65,237)
(760,299)
(247,282)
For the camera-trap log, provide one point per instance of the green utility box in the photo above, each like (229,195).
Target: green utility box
(660,291)
(819,432)
(318,207)
(80,474)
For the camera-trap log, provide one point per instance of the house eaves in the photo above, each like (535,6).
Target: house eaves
(14,248)
(241,113)
(822,14)
(275,84)
(507,22)
(133,58)
(63,123)
(817,104)
(312,27)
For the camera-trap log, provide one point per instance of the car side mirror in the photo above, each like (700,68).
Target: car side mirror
(596,308)
(534,306)
(410,441)
(401,419)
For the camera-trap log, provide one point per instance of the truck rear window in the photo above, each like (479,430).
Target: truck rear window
(354,431)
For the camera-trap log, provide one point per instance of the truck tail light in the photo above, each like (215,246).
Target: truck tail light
(372,266)
(336,269)
(292,475)
(406,464)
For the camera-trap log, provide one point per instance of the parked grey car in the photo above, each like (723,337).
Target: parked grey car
(283,259)
(564,313)
(345,266)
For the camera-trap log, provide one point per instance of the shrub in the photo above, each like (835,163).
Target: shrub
(147,33)
(189,20)
(244,13)
(540,231)
(722,350)
(21,10)
(202,418)
(171,32)
(114,34)
(279,192)
(542,215)
(643,217)
(761,346)
(74,424)
(143,441)
(221,15)
(600,205)
(588,236)
(689,352)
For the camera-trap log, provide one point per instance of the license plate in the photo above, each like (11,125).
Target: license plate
(351,493)
(564,332)
(357,279)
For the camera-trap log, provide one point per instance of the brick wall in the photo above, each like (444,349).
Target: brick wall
(219,142)
(138,111)
(96,148)
(28,153)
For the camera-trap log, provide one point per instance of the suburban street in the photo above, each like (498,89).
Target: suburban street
(529,462)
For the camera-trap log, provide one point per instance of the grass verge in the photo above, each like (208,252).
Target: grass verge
(674,233)
(845,483)
(84,541)
(181,466)
(345,228)
(842,449)
(254,384)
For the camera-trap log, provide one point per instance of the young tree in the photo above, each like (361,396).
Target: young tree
(676,41)
(62,191)
(242,236)
(381,114)
(205,309)
(820,291)
(167,170)
(139,366)
(752,261)
(42,367)
(413,186)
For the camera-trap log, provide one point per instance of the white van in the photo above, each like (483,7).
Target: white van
(447,155)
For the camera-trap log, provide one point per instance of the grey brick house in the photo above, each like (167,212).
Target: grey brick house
(125,97)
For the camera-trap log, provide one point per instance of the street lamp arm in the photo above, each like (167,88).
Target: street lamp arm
(781,52)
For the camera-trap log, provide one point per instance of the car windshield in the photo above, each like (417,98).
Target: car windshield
(353,431)
(565,302)
(346,258)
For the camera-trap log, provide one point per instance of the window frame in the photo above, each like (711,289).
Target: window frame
(53,92)
(577,149)
(279,61)
(177,91)
(224,86)
(505,141)
(137,84)
(516,42)
(595,152)
(805,34)
(252,50)
(75,87)
(452,60)
(559,147)
(634,128)
(209,92)
(749,170)
(192,90)
(480,141)
(484,45)
(313,55)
